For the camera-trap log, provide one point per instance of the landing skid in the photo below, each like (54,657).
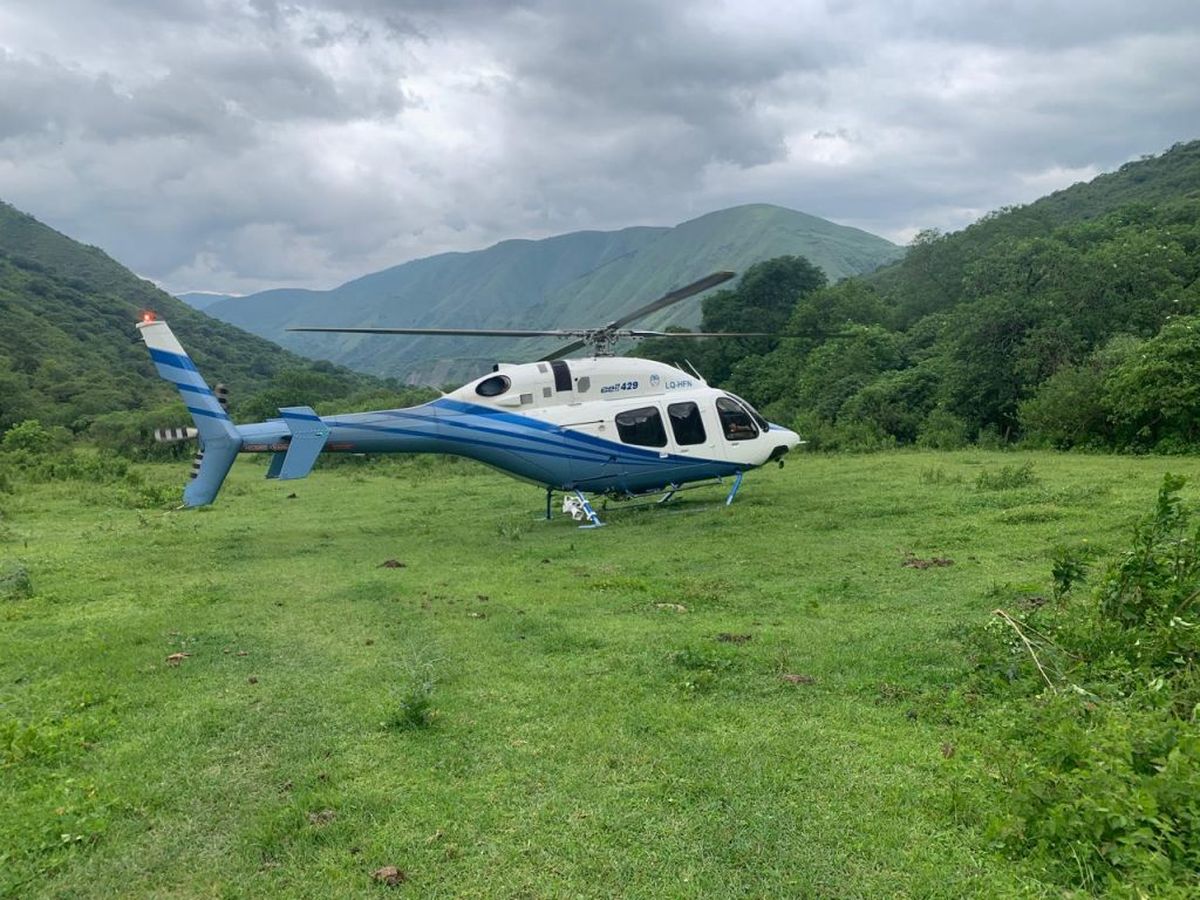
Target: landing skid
(576,504)
(669,493)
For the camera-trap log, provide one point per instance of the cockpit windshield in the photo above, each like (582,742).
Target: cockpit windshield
(754,414)
(735,421)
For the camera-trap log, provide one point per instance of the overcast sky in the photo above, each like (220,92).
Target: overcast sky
(233,145)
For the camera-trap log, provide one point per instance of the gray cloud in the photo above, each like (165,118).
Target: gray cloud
(239,144)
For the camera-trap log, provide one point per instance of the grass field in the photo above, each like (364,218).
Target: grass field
(522,708)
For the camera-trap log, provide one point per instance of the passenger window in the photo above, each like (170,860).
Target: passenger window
(735,421)
(642,427)
(686,423)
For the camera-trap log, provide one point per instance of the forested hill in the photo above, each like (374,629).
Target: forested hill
(579,279)
(68,348)
(1071,321)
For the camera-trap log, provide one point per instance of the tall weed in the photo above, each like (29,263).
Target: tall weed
(1007,478)
(1099,697)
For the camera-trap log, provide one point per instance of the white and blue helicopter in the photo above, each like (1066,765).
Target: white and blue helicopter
(622,427)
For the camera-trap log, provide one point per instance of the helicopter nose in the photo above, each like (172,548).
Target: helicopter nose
(783,440)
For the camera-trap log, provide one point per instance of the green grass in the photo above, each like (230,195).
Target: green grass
(521,709)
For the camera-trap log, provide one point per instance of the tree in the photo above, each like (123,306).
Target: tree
(1154,394)
(982,385)
(1069,409)
(762,302)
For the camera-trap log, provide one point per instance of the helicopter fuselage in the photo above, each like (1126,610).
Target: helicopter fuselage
(605,425)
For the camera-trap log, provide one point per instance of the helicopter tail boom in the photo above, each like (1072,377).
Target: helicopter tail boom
(219,437)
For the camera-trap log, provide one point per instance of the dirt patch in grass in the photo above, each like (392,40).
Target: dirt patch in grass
(726,637)
(390,875)
(934,562)
(792,678)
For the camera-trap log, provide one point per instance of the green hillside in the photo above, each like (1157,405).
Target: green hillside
(935,275)
(492,287)
(576,279)
(68,349)
(1072,321)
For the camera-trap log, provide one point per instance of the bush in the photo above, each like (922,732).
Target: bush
(942,430)
(1066,409)
(1100,698)
(414,711)
(69,465)
(130,433)
(851,435)
(1007,478)
(15,583)
(30,436)
(1110,798)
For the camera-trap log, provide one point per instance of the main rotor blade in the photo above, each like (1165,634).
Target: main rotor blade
(694,334)
(707,334)
(563,351)
(461,332)
(674,297)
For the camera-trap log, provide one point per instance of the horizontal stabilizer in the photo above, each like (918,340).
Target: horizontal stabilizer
(309,434)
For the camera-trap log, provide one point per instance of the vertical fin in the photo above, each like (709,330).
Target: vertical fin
(219,438)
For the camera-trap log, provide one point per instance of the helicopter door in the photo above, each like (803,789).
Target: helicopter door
(593,462)
(696,433)
(688,428)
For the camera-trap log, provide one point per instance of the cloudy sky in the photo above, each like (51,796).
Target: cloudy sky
(233,145)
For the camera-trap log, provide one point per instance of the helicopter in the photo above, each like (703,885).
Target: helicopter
(625,428)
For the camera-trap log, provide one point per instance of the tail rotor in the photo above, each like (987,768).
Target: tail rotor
(186,433)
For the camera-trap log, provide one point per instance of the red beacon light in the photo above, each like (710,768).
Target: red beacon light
(148,316)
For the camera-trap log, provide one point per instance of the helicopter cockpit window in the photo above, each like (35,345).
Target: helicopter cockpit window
(642,426)
(758,419)
(686,423)
(735,421)
(494,386)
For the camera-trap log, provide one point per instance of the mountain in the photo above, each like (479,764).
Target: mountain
(202,299)
(572,280)
(67,343)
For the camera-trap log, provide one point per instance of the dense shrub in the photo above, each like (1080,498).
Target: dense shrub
(1099,698)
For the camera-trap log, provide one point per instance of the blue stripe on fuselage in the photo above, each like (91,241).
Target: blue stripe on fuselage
(607,446)
(456,421)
